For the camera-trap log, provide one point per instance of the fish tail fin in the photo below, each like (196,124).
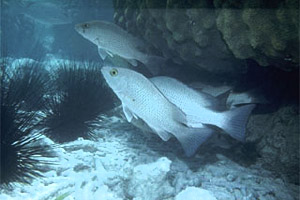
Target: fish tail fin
(154,64)
(236,120)
(192,138)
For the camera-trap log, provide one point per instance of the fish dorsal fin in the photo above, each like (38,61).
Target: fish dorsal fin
(222,100)
(223,97)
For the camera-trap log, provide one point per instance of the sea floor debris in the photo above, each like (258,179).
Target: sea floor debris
(125,164)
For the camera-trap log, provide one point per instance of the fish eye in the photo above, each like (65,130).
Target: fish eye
(86,25)
(113,72)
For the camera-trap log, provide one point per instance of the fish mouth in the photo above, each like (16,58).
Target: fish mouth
(76,28)
(79,29)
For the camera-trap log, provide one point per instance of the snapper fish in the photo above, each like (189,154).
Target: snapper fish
(203,110)
(113,40)
(234,99)
(141,99)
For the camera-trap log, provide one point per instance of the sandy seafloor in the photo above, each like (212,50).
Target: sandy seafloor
(125,164)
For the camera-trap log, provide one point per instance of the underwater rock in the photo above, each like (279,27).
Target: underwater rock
(268,36)
(166,31)
(193,193)
(216,36)
(149,180)
(277,140)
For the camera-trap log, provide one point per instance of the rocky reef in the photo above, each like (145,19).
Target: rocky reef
(221,38)
(216,35)
(277,138)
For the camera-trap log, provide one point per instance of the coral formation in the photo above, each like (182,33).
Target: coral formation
(216,36)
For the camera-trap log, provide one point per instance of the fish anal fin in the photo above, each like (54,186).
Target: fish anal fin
(192,138)
(165,136)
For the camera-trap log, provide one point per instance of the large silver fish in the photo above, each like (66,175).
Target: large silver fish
(202,110)
(141,99)
(113,40)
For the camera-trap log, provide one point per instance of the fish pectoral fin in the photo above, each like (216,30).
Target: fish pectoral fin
(110,54)
(165,136)
(136,117)
(133,62)
(103,54)
(128,113)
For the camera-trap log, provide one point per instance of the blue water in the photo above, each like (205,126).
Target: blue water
(24,37)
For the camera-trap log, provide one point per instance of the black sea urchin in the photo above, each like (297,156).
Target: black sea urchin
(32,79)
(23,157)
(80,98)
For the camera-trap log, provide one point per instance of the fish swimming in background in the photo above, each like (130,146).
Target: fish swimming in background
(113,40)
(235,99)
(47,13)
(141,99)
(203,110)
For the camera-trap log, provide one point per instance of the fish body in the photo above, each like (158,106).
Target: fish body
(234,99)
(183,95)
(201,109)
(113,40)
(141,99)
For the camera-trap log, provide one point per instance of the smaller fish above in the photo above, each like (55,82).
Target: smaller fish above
(113,40)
